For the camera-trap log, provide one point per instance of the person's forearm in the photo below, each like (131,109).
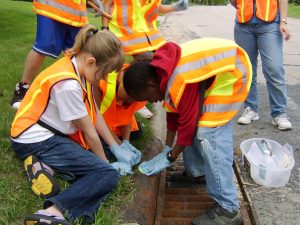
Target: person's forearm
(283,8)
(107,6)
(104,131)
(95,145)
(117,139)
(91,136)
(176,150)
(170,138)
(125,131)
(165,9)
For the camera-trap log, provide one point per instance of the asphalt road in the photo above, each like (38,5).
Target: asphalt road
(273,206)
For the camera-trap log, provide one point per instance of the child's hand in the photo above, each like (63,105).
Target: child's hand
(122,168)
(123,155)
(138,155)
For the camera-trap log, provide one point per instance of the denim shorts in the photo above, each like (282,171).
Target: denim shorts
(53,37)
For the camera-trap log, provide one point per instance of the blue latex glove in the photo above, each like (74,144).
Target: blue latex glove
(157,164)
(167,149)
(138,155)
(122,168)
(122,154)
(180,5)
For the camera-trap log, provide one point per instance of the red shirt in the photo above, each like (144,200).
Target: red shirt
(185,119)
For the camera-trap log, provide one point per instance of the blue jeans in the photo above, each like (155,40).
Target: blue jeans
(212,155)
(265,39)
(94,178)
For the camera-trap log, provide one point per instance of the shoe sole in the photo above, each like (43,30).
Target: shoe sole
(246,123)
(281,128)
(42,182)
(37,219)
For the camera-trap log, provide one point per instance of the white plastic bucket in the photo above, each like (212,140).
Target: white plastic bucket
(274,177)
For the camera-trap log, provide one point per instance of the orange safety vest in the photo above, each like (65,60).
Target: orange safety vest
(116,115)
(202,59)
(135,25)
(36,99)
(72,12)
(266,10)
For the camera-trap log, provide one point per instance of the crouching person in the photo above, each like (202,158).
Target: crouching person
(57,123)
(118,109)
(203,84)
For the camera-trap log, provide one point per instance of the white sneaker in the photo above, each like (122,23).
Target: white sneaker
(282,122)
(248,116)
(144,112)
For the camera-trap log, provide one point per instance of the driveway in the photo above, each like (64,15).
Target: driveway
(272,206)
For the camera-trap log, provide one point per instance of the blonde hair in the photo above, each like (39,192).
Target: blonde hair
(104,46)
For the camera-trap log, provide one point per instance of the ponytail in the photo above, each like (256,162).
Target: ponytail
(104,46)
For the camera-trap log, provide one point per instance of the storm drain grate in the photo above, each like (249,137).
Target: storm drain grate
(179,202)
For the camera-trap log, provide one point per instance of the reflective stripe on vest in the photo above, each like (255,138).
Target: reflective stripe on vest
(266,10)
(36,99)
(139,42)
(24,108)
(78,137)
(91,108)
(110,92)
(205,58)
(72,12)
(135,25)
(116,115)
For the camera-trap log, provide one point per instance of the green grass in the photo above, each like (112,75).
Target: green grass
(294,11)
(17,33)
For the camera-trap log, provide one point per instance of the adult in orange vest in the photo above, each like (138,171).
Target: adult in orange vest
(58,22)
(58,111)
(134,23)
(203,84)
(260,28)
(117,108)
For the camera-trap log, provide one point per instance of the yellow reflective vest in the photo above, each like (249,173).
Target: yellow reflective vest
(135,25)
(202,59)
(116,115)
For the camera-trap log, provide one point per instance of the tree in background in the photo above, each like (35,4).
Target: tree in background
(296,2)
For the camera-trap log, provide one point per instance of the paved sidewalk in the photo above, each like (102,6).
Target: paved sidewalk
(273,206)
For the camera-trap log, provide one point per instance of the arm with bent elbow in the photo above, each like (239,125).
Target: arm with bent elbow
(87,127)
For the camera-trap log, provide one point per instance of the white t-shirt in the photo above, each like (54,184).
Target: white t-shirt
(64,106)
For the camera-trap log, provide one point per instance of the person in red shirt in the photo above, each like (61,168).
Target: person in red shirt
(203,84)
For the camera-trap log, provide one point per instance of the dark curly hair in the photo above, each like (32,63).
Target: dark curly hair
(136,77)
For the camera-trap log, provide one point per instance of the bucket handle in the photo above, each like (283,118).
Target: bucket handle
(288,149)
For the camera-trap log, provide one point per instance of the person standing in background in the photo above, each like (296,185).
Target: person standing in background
(134,22)
(58,22)
(260,28)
